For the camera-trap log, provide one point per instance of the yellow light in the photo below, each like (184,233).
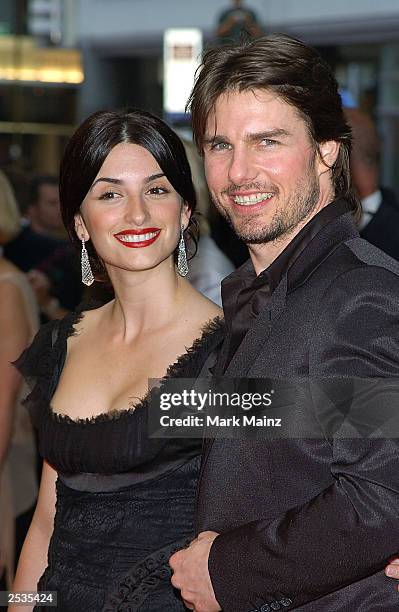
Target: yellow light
(21,60)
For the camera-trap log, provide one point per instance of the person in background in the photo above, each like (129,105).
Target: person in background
(210,265)
(237,23)
(18,324)
(379,223)
(40,250)
(43,210)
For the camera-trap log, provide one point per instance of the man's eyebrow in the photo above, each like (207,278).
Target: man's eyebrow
(272,133)
(252,136)
(207,139)
(115,181)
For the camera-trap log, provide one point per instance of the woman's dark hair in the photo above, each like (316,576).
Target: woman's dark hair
(94,140)
(297,73)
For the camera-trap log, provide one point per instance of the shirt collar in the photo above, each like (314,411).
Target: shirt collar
(245,276)
(372,202)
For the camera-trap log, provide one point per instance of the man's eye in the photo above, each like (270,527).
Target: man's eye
(268,142)
(220,146)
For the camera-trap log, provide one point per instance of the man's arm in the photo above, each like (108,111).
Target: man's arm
(349,530)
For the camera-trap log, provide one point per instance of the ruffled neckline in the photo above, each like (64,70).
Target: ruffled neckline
(212,334)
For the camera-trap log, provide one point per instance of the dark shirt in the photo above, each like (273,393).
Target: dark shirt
(244,294)
(29,249)
(383,228)
(54,257)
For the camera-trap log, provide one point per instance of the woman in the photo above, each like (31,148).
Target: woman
(124,501)
(18,324)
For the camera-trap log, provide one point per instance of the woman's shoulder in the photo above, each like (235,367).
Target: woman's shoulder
(204,348)
(48,347)
(7,268)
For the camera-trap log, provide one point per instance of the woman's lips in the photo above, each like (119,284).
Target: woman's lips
(136,239)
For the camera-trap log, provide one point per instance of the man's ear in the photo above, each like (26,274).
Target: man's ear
(80,228)
(328,153)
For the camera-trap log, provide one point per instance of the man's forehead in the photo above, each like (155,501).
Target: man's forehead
(253,110)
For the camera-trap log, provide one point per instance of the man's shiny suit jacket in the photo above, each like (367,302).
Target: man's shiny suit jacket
(309,524)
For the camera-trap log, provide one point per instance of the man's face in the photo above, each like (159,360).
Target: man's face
(261,168)
(47,208)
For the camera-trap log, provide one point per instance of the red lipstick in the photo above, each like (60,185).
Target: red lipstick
(137,239)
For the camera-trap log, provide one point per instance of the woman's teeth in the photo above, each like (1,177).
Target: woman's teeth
(136,237)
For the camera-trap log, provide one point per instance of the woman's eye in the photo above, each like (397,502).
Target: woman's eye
(108,195)
(157,190)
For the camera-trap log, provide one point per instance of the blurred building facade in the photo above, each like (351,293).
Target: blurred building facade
(40,72)
(121,41)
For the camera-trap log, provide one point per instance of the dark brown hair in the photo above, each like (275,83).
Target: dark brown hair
(297,73)
(94,140)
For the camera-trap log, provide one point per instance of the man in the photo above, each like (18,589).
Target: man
(379,223)
(42,251)
(236,23)
(44,211)
(303,524)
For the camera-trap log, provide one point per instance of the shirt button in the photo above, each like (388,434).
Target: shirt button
(275,605)
(265,608)
(286,601)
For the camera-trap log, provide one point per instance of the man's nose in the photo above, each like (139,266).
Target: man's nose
(241,169)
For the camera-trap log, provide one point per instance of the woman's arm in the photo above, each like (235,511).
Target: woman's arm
(33,559)
(15,335)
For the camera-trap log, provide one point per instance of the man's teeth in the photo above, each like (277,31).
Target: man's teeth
(136,237)
(254,198)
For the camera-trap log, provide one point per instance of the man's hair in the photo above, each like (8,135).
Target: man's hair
(37,182)
(294,71)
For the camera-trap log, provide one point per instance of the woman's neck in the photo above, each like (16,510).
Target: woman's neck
(145,300)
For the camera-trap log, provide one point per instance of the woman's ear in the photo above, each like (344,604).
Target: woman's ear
(185,215)
(80,228)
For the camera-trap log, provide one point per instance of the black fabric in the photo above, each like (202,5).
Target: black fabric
(58,259)
(383,228)
(123,500)
(310,524)
(245,294)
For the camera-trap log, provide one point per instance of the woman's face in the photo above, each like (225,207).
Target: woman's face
(131,213)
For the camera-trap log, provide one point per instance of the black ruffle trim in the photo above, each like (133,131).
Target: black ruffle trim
(41,364)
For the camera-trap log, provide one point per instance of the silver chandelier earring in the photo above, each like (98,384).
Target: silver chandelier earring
(87,273)
(182,266)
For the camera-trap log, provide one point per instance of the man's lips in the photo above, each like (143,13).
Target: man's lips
(135,239)
(250,201)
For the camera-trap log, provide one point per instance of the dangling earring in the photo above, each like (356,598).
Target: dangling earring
(87,274)
(182,266)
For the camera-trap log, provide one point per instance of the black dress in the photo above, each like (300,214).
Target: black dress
(125,502)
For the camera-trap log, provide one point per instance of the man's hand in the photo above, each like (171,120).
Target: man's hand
(392,570)
(191,575)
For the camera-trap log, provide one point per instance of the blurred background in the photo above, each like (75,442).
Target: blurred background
(60,60)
